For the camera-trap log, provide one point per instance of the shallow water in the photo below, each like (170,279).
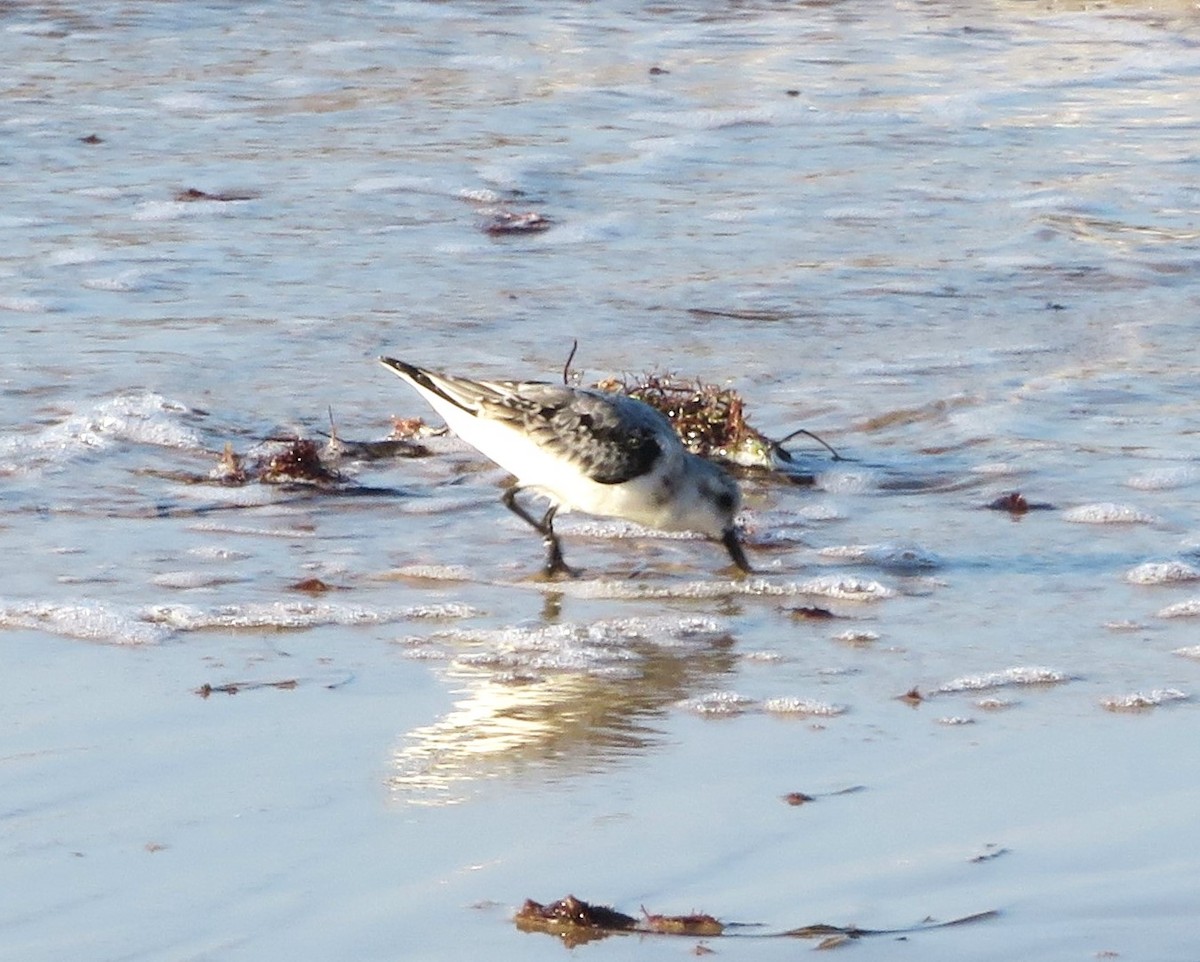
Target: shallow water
(957,241)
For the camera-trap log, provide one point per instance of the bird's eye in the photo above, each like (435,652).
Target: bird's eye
(725,501)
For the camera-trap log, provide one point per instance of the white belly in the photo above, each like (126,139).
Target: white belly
(536,468)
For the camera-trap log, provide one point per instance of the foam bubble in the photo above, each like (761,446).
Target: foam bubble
(844,588)
(765,656)
(1142,701)
(907,557)
(802,706)
(290,615)
(163,210)
(856,637)
(1162,573)
(191,102)
(716,704)
(1008,677)
(480,195)
(227,527)
(444,611)
(429,572)
(215,553)
(823,511)
(707,119)
(1181,609)
(190,579)
(1165,479)
(828,586)
(155,211)
(619,528)
(994,469)
(23,305)
(123,283)
(74,255)
(88,622)
(1107,513)
(573,646)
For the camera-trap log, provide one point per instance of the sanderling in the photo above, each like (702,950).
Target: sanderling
(585,450)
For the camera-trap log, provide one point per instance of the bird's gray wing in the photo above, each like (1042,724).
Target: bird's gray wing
(610,438)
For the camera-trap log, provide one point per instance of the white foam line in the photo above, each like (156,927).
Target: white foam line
(840,587)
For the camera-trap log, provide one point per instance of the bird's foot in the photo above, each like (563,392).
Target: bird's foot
(733,545)
(555,564)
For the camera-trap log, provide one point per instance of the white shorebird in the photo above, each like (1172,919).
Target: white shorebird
(586,450)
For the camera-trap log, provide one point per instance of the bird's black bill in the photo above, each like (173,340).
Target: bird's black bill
(734,546)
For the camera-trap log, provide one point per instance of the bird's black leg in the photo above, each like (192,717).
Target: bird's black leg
(554,556)
(734,546)
(545,527)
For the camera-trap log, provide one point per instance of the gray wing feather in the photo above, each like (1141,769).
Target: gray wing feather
(610,438)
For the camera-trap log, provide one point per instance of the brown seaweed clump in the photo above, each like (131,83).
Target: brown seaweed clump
(694,924)
(192,194)
(711,420)
(299,461)
(810,613)
(572,920)
(234,687)
(294,461)
(229,469)
(576,922)
(1015,504)
(312,586)
(573,911)
(409,429)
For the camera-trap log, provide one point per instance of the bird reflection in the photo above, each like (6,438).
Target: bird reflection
(515,718)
